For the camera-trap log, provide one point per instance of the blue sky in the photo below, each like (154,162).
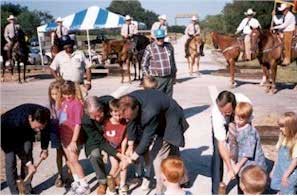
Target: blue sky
(169,7)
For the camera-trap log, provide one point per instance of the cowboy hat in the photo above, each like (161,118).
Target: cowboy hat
(11,17)
(162,17)
(194,18)
(127,17)
(249,12)
(283,6)
(59,19)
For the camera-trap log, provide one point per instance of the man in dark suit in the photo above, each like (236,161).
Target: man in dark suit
(161,122)
(18,129)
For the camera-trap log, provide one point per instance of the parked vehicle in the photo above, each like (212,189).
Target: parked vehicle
(34,57)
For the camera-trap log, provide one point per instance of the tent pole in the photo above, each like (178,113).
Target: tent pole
(89,45)
(40,49)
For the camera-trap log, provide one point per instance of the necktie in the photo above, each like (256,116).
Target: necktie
(61,32)
(128,30)
(194,29)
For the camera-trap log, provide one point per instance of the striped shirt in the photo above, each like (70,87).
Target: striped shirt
(158,60)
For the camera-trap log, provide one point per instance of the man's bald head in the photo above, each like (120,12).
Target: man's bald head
(94,109)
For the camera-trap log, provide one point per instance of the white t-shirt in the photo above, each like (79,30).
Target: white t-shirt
(218,121)
(71,67)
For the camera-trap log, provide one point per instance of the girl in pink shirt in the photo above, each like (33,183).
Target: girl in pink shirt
(69,127)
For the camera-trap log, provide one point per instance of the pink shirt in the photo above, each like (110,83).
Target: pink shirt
(70,115)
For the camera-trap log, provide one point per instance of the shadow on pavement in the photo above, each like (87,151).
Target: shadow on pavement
(196,163)
(189,112)
(181,80)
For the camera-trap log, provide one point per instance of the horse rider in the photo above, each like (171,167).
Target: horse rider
(245,27)
(128,30)
(287,25)
(10,33)
(192,30)
(60,30)
(161,24)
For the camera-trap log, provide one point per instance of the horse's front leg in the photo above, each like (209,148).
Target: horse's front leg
(19,72)
(231,63)
(273,77)
(265,77)
(122,72)
(135,69)
(197,64)
(24,72)
(128,70)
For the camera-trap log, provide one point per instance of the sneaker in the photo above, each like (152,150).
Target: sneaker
(145,184)
(124,190)
(101,189)
(74,186)
(83,190)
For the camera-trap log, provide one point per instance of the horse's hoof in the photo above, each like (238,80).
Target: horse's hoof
(273,91)
(25,81)
(20,82)
(267,90)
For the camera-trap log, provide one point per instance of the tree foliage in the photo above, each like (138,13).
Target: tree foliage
(29,20)
(135,10)
(233,13)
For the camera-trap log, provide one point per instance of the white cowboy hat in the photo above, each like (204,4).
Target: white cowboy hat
(59,19)
(127,17)
(283,6)
(11,17)
(249,12)
(162,17)
(194,18)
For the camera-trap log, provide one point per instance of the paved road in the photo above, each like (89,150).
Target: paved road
(193,93)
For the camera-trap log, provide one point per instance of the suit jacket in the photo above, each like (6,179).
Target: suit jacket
(158,115)
(16,130)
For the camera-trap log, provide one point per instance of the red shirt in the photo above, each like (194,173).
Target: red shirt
(115,133)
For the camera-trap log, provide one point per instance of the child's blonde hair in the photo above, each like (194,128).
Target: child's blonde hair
(71,88)
(57,84)
(114,105)
(173,169)
(289,121)
(253,180)
(149,82)
(244,110)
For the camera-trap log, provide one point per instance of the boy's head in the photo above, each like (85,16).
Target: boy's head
(149,82)
(114,109)
(253,180)
(243,113)
(173,169)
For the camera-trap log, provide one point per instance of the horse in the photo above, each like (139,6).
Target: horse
(141,43)
(57,46)
(19,55)
(194,53)
(268,47)
(124,54)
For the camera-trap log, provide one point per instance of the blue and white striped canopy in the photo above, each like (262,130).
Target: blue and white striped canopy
(92,18)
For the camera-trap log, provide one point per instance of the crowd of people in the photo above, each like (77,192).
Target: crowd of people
(144,128)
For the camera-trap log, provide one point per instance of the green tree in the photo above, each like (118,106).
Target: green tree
(135,10)
(233,13)
(29,20)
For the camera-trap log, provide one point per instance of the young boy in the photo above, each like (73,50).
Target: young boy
(253,180)
(115,133)
(248,140)
(173,171)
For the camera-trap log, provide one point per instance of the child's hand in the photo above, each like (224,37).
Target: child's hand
(285,181)
(129,151)
(231,175)
(72,147)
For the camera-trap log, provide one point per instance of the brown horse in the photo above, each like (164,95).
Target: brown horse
(269,47)
(194,53)
(122,49)
(231,47)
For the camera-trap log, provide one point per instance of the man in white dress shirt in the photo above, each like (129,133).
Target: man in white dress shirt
(246,29)
(287,25)
(161,24)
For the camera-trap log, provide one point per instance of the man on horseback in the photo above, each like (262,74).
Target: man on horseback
(128,30)
(245,27)
(192,30)
(161,24)
(10,33)
(287,25)
(59,32)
